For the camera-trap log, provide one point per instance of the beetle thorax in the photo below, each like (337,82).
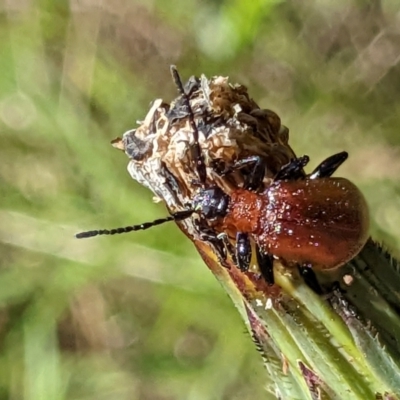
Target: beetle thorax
(244,213)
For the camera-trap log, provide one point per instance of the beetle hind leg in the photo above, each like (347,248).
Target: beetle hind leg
(265,263)
(310,278)
(329,166)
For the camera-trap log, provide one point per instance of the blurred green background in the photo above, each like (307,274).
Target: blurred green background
(139,316)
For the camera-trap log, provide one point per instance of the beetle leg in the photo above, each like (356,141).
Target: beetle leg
(293,170)
(308,274)
(216,243)
(243,251)
(228,247)
(329,166)
(265,264)
(219,249)
(254,179)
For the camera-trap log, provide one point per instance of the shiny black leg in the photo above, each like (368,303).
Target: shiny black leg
(329,166)
(253,180)
(266,265)
(310,278)
(293,170)
(216,242)
(243,251)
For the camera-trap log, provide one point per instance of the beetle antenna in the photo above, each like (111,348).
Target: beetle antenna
(178,216)
(197,153)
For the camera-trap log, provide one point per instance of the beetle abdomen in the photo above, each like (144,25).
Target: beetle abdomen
(323,222)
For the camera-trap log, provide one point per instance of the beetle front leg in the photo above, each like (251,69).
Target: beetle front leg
(293,170)
(219,249)
(217,244)
(253,181)
(243,251)
(228,247)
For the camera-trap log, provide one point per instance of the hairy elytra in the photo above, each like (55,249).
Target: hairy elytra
(321,222)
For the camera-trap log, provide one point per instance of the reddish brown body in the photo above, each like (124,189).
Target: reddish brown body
(323,222)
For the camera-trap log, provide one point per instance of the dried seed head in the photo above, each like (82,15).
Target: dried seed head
(231,126)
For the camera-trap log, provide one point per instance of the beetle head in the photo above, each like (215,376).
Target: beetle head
(211,202)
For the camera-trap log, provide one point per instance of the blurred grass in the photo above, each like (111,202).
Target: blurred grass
(139,316)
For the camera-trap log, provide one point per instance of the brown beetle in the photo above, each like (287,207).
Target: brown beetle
(310,220)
